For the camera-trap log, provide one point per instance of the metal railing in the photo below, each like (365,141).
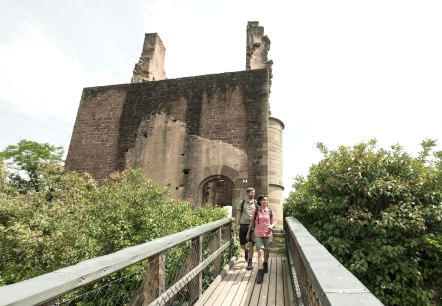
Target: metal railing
(175,269)
(317,277)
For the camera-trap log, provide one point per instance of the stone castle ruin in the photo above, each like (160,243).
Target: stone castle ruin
(207,137)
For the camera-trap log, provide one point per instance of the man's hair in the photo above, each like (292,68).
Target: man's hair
(250,189)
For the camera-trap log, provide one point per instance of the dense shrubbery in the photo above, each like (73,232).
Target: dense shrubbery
(70,218)
(379,212)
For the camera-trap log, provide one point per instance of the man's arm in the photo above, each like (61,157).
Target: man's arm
(238,219)
(252,223)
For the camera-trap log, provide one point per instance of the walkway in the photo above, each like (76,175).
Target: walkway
(239,287)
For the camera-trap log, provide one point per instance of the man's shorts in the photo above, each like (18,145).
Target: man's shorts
(262,243)
(243,228)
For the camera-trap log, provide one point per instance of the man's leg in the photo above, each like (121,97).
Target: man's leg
(250,258)
(243,241)
(245,248)
(251,246)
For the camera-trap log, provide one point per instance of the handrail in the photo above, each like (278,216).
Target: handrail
(49,286)
(320,278)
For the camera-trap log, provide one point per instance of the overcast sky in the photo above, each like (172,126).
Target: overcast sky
(343,71)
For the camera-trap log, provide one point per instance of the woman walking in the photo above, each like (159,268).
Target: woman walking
(262,221)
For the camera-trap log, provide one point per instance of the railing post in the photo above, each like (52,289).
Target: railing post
(215,245)
(230,237)
(154,283)
(196,284)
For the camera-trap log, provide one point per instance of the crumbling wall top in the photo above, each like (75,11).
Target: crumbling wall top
(258,46)
(150,67)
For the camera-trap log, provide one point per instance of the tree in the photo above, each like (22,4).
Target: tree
(379,212)
(26,159)
(84,219)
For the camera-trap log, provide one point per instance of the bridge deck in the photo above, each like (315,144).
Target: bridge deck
(239,287)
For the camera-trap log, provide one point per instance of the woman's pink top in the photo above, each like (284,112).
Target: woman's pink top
(262,223)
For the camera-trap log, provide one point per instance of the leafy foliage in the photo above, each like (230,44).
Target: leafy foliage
(379,212)
(25,159)
(74,219)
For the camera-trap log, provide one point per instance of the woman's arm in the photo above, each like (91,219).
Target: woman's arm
(272,222)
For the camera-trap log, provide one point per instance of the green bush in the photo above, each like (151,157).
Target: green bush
(71,218)
(379,212)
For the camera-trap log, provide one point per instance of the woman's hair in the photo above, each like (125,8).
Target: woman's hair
(261,197)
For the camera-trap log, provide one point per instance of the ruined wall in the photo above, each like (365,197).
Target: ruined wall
(96,134)
(257,47)
(179,131)
(150,66)
(206,137)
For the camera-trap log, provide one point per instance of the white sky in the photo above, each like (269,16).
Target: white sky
(343,72)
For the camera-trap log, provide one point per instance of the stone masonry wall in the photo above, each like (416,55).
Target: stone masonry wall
(179,131)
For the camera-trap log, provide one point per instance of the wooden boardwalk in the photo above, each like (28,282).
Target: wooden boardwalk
(238,286)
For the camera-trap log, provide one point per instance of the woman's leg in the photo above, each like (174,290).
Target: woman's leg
(266,256)
(260,248)
(260,275)
(260,258)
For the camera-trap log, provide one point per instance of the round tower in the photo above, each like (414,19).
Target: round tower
(276,187)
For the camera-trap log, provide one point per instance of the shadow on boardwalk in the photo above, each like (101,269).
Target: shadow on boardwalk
(238,286)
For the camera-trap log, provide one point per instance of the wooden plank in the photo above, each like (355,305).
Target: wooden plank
(213,286)
(229,283)
(219,288)
(232,272)
(241,290)
(273,271)
(230,296)
(240,287)
(280,288)
(254,298)
(263,296)
(249,287)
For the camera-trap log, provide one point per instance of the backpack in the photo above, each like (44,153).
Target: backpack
(244,202)
(256,214)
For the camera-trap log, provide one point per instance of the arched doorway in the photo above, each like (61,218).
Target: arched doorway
(217,190)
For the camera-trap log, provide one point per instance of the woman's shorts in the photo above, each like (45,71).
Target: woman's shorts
(262,243)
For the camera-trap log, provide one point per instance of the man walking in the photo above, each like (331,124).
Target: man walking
(245,209)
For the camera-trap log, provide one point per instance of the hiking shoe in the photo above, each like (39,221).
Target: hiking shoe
(266,267)
(249,265)
(260,276)
(246,255)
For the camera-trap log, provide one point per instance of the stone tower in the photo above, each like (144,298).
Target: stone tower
(258,46)
(207,137)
